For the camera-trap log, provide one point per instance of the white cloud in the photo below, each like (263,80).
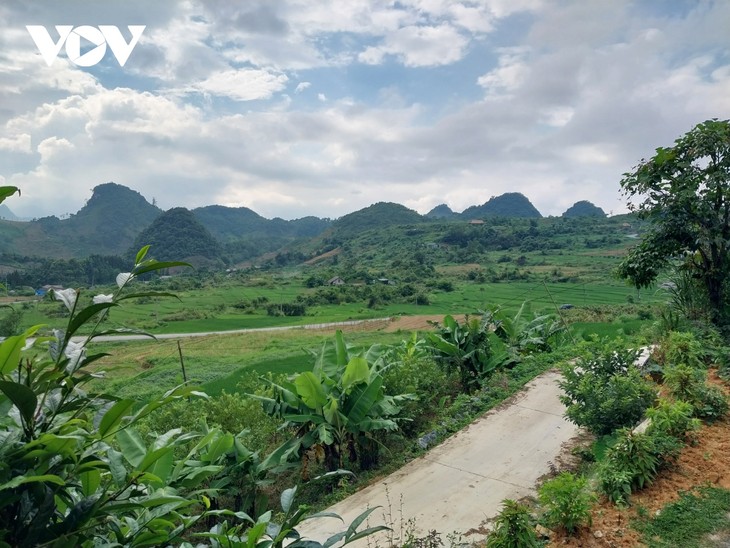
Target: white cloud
(418,46)
(301,86)
(241,85)
(509,75)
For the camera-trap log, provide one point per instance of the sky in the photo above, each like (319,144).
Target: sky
(309,107)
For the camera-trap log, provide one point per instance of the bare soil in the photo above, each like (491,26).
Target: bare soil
(413,323)
(707,463)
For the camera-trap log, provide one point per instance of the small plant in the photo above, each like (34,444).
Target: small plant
(567,502)
(683,348)
(513,527)
(614,482)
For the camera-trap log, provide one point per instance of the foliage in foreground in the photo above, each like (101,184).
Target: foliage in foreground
(567,501)
(513,528)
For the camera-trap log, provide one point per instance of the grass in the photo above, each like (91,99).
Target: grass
(212,309)
(688,521)
(143,369)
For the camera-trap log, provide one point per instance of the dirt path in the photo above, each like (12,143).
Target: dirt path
(460,484)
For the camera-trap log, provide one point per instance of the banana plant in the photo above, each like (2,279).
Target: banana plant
(468,349)
(339,406)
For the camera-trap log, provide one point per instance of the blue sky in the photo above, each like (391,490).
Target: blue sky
(306,107)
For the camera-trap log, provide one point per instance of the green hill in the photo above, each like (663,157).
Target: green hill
(441,211)
(377,215)
(584,208)
(178,235)
(511,204)
(106,225)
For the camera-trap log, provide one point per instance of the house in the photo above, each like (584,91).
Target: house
(43,290)
(336,281)
(476,222)
(386,281)
(432,245)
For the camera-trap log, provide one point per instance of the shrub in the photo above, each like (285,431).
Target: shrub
(605,393)
(635,453)
(614,482)
(513,528)
(567,502)
(673,419)
(683,348)
(710,403)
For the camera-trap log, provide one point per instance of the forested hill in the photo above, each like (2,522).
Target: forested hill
(106,225)
(178,235)
(511,204)
(584,208)
(375,216)
(231,223)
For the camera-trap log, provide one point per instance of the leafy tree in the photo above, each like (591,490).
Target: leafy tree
(685,194)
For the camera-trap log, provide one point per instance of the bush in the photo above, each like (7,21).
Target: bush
(567,502)
(672,419)
(513,528)
(710,403)
(683,348)
(606,392)
(688,384)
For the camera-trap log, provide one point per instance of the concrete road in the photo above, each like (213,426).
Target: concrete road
(461,483)
(126,338)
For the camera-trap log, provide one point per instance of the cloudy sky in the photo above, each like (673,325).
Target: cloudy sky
(309,107)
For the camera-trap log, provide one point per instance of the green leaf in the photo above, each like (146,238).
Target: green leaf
(151,457)
(21,480)
(310,390)
(116,467)
(11,347)
(132,446)
(90,481)
(141,254)
(362,400)
(162,468)
(287,498)
(151,265)
(221,445)
(84,316)
(357,371)
(7,191)
(22,397)
(341,348)
(114,416)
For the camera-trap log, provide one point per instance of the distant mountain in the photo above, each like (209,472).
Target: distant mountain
(230,223)
(111,219)
(584,208)
(106,225)
(177,235)
(441,211)
(6,214)
(511,204)
(375,216)
(233,223)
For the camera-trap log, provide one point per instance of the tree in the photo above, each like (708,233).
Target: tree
(685,194)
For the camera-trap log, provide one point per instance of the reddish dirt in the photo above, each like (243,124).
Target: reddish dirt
(707,463)
(414,323)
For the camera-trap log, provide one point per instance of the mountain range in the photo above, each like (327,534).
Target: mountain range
(116,220)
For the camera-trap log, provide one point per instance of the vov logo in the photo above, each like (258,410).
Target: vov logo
(101,37)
